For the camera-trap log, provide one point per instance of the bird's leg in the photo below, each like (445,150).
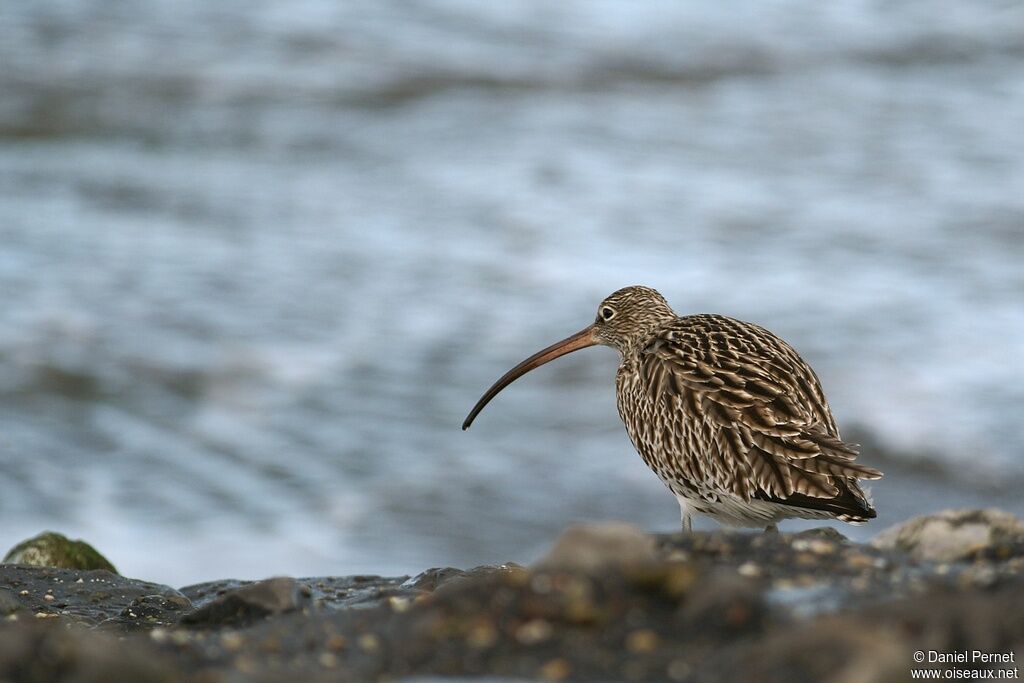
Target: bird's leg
(772,529)
(684,514)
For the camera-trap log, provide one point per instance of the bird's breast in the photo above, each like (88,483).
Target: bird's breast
(636,407)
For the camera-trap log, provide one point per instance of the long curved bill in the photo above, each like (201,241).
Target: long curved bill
(580,340)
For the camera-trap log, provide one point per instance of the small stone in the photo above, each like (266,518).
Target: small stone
(582,612)
(555,670)
(271,645)
(749,569)
(533,631)
(337,643)
(541,583)
(813,545)
(482,635)
(328,660)
(679,670)
(642,642)
(399,604)
(232,641)
(979,576)
(369,642)
(246,665)
(859,561)
(675,579)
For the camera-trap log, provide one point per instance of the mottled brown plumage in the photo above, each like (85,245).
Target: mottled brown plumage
(727,414)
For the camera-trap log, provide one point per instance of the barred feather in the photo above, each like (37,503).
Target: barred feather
(728,415)
(741,419)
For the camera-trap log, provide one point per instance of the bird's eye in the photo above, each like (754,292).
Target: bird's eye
(607,313)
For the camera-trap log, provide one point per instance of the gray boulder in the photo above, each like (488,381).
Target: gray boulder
(953,535)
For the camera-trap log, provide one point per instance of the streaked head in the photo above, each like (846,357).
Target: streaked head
(625,319)
(628,317)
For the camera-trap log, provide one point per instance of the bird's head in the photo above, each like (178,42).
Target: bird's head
(625,319)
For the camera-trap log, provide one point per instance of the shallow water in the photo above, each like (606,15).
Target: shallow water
(259,260)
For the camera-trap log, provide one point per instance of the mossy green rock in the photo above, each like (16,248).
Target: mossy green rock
(50,549)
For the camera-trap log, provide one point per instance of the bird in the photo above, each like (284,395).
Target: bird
(728,415)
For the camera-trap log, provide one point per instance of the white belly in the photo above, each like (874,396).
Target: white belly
(733,511)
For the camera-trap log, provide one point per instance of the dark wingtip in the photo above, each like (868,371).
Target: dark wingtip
(850,505)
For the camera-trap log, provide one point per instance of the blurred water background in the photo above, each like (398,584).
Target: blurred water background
(258,259)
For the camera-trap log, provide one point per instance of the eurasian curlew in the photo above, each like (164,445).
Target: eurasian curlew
(727,414)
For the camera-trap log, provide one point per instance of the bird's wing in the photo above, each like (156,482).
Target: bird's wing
(747,413)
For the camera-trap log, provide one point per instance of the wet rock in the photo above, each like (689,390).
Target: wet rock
(327,592)
(432,580)
(151,611)
(8,603)
(251,603)
(85,597)
(40,652)
(202,593)
(806,573)
(727,603)
(833,650)
(825,533)
(876,642)
(628,622)
(591,547)
(954,535)
(696,607)
(50,549)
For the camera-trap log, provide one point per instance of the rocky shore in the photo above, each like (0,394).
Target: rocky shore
(608,603)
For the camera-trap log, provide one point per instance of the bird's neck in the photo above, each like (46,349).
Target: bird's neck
(629,354)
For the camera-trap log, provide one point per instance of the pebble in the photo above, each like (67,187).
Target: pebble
(814,545)
(337,643)
(749,569)
(533,631)
(232,641)
(642,641)
(556,670)
(679,670)
(369,642)
(399,604)
(482,636)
